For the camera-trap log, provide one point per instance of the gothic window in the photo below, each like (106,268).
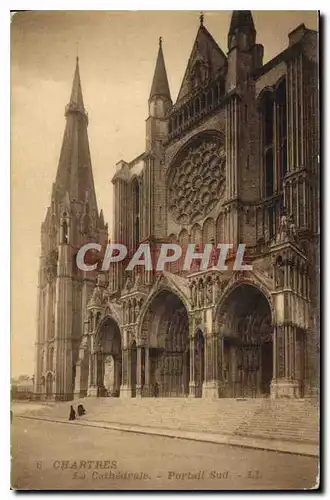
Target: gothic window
(65,232)
(208,231)
(197,106)
(136,224)
(268,143)
(220,229)
(184,238)
(137,198)
(282,132)
(137,231)
(269,164)
(196,234)
(268,120)
(274,150)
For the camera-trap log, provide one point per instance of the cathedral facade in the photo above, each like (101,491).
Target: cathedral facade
(234,160)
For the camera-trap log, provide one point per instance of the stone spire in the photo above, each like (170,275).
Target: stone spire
(241,24)
(76,99)
(74,172)
(160,85)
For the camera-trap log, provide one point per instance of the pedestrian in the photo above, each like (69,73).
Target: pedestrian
(72,415)
(81,410)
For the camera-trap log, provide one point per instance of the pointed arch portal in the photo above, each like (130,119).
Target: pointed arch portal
(165,325)
(108,359)
(246,341)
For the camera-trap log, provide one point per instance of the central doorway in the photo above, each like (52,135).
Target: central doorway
(166,326)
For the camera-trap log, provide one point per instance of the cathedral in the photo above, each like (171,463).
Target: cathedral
(233,160)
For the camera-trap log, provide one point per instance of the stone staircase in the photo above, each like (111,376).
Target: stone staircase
(294,420)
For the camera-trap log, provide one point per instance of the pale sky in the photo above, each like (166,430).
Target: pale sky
(117,52)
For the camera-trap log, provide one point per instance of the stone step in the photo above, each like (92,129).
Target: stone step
(278,419)
(293,421)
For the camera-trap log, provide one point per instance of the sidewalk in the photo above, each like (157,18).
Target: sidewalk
(293,447)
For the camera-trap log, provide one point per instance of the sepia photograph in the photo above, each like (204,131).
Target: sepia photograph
(165,250)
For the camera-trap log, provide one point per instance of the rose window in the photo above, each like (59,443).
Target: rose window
(197,182)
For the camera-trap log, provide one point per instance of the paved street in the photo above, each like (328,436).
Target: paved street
(49,455)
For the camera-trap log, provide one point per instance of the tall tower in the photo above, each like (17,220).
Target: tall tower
(72,219)
(244,57)
(159,104)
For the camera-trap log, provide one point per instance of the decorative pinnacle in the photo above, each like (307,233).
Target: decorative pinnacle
(160,41)
(201,19)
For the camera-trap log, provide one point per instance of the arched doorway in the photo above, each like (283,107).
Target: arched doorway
(199,349)
(109,360)
(165,327)
(246,343)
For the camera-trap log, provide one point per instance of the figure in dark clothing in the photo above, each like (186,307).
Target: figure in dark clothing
(156,390)
(72,415)
(81,410)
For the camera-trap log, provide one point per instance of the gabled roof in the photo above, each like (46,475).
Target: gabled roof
(205,49)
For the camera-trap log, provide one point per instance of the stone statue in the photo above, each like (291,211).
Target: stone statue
(279,273)
(137,310)
(283,229)
(138,280)
(193,295)
(128,284)
(201,294)
(97,296)
(292,227)
(214,255)
(209,292)
(99,280)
